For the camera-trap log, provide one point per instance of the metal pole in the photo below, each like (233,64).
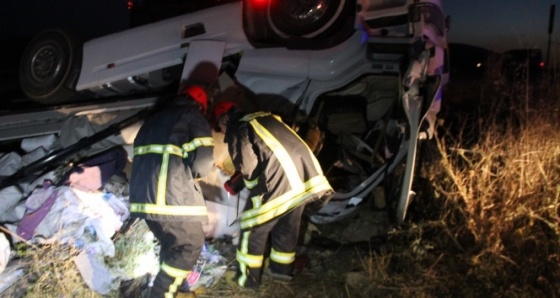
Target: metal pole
(550,29)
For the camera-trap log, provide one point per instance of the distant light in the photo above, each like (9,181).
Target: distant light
(478,65)
(541,64)
(130,4)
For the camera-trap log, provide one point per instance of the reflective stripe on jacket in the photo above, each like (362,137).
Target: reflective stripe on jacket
(171,150)
(278,167)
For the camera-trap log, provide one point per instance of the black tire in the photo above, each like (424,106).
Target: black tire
(47,68)
(305,18)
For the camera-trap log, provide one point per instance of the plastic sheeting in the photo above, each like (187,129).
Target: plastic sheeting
(9,163)
(10,198)
(45,142)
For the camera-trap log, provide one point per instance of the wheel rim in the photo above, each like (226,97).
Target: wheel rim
(304,18)
(304,11)
(46,64)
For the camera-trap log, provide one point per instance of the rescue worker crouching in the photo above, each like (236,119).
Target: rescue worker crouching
(172,149)
(282,176)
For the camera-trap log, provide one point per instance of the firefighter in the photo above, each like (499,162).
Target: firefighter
(172,150)
(282,176)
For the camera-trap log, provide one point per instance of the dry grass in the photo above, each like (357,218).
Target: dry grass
(493,215)
(505,195)
(50,272)
(485,222)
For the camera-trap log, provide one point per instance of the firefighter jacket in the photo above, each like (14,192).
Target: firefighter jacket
(278,167)
(171,150)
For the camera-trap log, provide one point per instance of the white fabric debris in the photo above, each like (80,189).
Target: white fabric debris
(94,272)
(45,142)
(76,128)
(5,252)
(9,163)
(10,197)
(222,221)
(28,187)
(33,156)
(142,261)
(223,208)
(38,197)
(84,219)
(75,213)
(10,275)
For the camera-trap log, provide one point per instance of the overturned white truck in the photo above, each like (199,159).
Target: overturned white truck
(360,80)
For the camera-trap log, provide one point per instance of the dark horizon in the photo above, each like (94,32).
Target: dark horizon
(501,25)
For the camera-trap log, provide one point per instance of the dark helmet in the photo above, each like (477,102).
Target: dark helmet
(198,94)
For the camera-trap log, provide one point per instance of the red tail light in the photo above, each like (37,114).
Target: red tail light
(541,64)
(259,3)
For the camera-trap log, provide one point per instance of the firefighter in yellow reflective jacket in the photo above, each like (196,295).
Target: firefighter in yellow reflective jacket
(172,149)
(282,176)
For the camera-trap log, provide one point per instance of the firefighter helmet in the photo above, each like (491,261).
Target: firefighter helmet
(198,94)
(219,110)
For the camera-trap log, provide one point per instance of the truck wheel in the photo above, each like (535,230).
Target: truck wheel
(305,18)
(47,68)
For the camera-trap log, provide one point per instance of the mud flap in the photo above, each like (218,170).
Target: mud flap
(203,62)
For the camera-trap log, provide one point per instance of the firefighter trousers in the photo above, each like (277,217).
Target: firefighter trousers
(283,232)
(181,243)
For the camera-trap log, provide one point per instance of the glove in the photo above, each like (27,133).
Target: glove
(312,208)
(235,184)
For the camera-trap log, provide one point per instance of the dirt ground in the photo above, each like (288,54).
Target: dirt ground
(332,262)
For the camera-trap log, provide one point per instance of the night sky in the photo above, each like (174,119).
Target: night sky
(500,25)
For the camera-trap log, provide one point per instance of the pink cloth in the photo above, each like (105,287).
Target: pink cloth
(96,171)
(88,179)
